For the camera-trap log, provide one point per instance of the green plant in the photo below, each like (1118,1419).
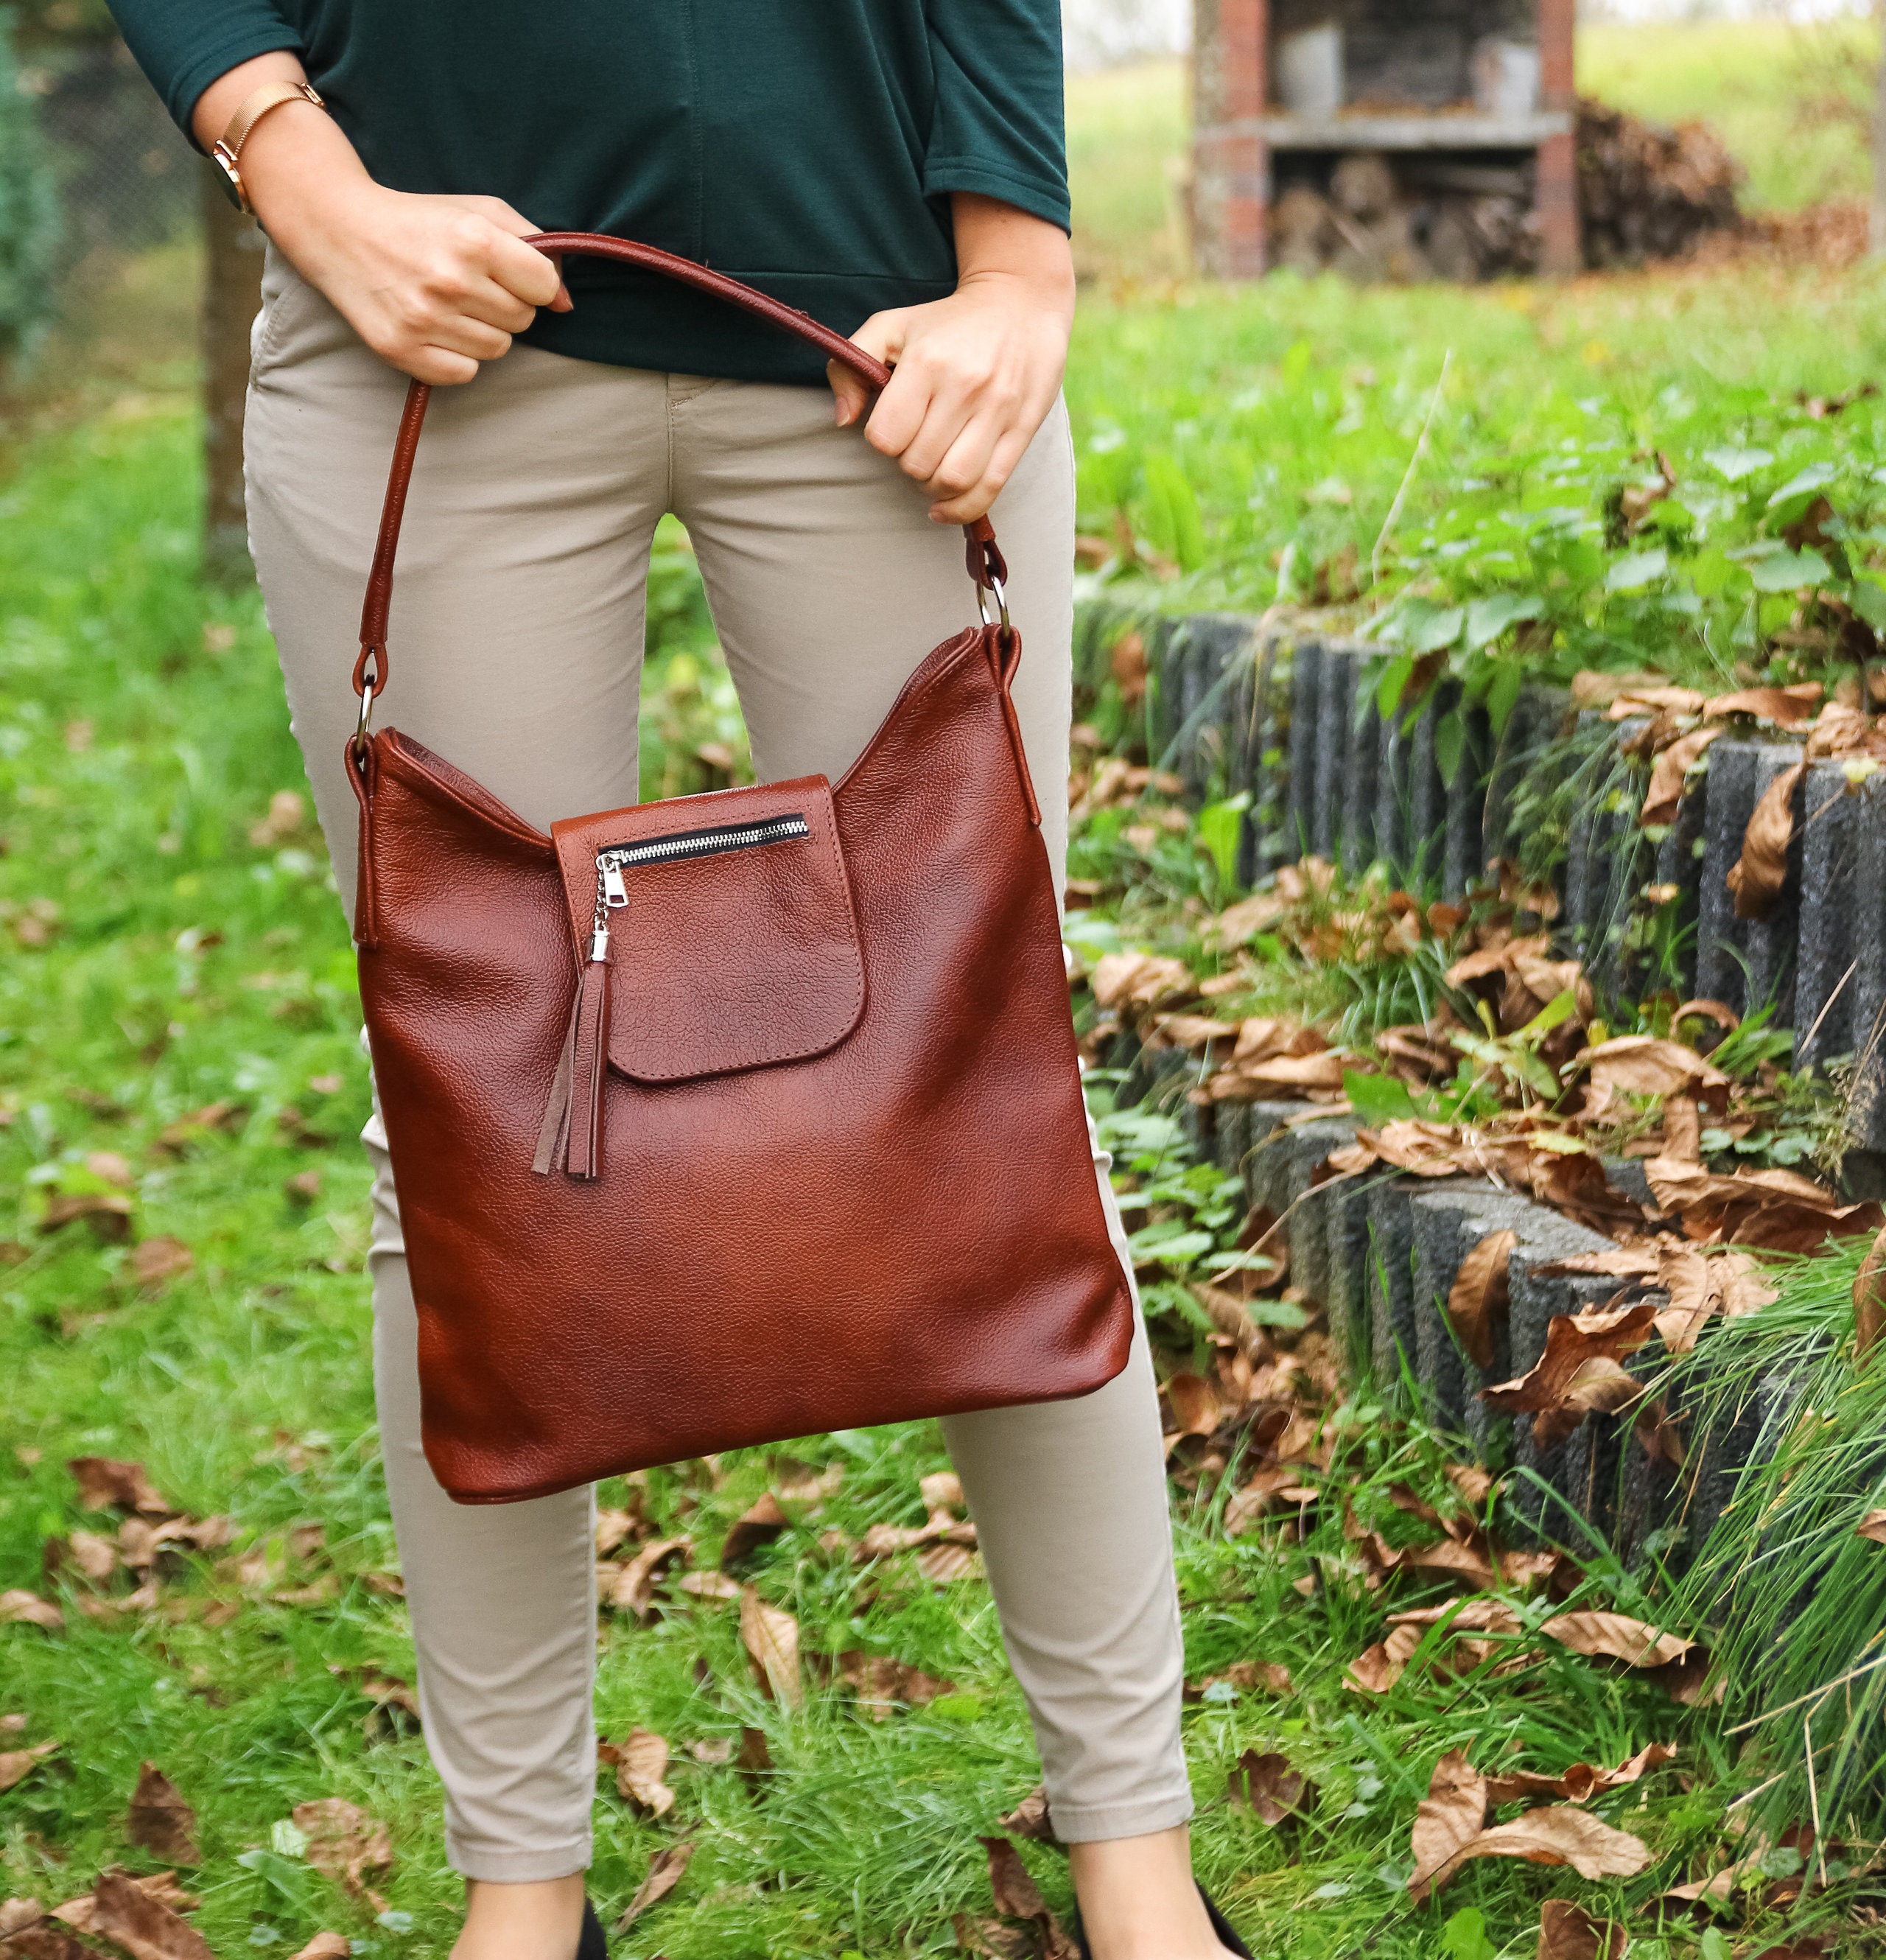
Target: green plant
(29,211)
(1796,1597)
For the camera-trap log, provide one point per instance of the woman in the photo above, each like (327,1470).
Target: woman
(895,162)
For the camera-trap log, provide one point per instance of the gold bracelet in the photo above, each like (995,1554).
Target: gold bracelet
(227,153)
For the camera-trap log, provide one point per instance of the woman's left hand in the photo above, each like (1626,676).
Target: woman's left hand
(975,373)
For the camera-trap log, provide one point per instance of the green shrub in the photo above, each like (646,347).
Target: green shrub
(29,210)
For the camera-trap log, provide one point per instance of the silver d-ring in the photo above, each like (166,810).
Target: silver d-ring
(1001,601)
(364,727)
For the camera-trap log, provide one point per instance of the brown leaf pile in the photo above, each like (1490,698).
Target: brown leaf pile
(146,1547)
(1779,1209)
(1682,723)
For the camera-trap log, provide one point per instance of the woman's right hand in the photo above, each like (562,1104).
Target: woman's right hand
(434,285)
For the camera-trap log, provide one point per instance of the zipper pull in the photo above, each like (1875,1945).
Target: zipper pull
(614,893)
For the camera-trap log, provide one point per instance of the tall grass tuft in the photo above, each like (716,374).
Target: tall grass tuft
(1799,1598)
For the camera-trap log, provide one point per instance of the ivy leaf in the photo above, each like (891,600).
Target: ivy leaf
(1635,570)
(1784,570)
(1735,464)
(1490,616)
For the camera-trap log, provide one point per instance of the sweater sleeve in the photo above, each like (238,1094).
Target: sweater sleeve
(184,45)
(998,128)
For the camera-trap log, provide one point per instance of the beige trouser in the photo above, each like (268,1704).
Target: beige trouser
(516,642)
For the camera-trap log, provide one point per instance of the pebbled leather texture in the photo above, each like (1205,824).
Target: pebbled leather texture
(738,959)
(837,1172)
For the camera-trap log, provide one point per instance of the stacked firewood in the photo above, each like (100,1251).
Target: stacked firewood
(1644,192)
(1649,192)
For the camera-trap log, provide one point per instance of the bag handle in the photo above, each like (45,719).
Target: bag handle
(984,555)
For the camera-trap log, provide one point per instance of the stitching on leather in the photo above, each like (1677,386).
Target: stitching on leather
(402,752)
(854,1012)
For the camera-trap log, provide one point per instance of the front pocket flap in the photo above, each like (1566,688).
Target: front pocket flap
(733,943)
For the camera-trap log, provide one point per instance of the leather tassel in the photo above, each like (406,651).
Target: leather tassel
(588,1064)
(554,1134)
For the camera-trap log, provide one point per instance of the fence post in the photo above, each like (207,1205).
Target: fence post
(232,296)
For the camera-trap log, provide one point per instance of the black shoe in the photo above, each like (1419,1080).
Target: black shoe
(1220,1926)
(592,1945)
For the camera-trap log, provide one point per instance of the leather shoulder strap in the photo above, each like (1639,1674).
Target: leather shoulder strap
(983,556)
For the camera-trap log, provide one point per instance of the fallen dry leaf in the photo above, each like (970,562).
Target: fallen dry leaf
(161,1822)
(1031,1818)
(758,1524)
(106,1484)
(154,1263)
(1778,1209)
(1872,1526)
(1700,1286)
(1194,1405)
(634,1589)
(1788,707)
(640,1760)
(1271,1676)
(1664,797)
(326,1946)
(1476,1301)
(123,1912)
(1643,1065)
(1581,1782)
(19,1607)
(1562,1835)
(1616,1637)
(665,1872)
(754,1759)
(1139,979)
(1449,1819)
(1017,1896)
(1580,1371)
(770,1636)
(883,1684)
(1757,876)
(108,1213)
(343,1840)
(1568,1932)
(1869,1296)
(710,1585)
(16,1765)
(1269,1785)
(614,1529)
(944,1564)
(95,1555)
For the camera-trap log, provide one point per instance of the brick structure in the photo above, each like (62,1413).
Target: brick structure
(1408,96)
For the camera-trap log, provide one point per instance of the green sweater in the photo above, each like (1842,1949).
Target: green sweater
(808,146)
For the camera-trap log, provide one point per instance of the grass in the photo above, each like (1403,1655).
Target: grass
(1799,1596)
(163,962)
(1254,441)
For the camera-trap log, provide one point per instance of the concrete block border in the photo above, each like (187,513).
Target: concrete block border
(1282,715)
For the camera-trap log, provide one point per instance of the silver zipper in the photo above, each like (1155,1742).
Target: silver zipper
(683,844)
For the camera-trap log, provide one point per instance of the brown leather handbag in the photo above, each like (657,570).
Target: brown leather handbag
(737,1117)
